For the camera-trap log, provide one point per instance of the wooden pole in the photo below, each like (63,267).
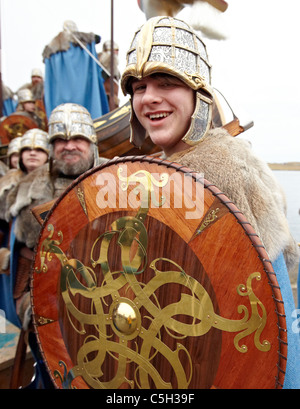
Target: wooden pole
(112,91)
(1,95)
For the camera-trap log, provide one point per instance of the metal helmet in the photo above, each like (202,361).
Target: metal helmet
(25,95)
(36,72)
(14,146)
(68,121)
(70,26)
(170,46)
(107,46)
(34,139)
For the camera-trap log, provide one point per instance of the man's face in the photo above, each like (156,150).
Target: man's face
(33,158)
(74,156)
(36,79)
(164,105)
(29,106)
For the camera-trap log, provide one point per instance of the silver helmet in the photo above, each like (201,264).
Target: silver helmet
(34,139)
(25,95)
(170,46)
(107,46)
(36,72)
(68,121)
(70,26)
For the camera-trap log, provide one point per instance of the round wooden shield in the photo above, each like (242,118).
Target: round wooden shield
(15,125)
(147,276)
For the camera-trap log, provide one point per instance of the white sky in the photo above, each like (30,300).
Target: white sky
(257,67)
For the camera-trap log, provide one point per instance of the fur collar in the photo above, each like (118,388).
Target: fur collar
(39,186)
(63,40)
(34,186)
(249,183)
(7,184)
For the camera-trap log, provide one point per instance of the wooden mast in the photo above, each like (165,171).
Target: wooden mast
(112,99)
(1,96)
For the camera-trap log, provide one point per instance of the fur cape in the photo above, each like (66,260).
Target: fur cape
(7,183)
(3,168)
(249,183)
(38,187)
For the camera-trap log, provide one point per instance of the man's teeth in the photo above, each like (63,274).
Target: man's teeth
(161,115)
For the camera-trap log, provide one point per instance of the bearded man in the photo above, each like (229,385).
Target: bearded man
(73,151)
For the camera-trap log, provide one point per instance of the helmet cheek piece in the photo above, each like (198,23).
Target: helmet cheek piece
(201,120)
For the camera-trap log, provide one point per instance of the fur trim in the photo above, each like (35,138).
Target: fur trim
(3,168)
(7,92)
(63,40)
(7,183)
(36,188)
(10,180)
(249,183)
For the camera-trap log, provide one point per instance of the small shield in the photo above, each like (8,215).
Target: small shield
(15,125)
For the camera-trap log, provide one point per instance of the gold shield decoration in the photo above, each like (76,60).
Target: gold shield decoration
(147,276)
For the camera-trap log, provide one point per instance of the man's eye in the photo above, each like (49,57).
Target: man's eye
(138,88)
(167,84)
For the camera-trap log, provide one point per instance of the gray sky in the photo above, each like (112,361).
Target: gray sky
(256,68)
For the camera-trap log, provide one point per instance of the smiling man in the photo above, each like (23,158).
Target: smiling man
(158,104)
(73,156)
(73,139)
(168,78)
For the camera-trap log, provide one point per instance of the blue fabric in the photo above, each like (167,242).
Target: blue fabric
(7,302)
(9,106)
(73,76)
(298,287)
(292,376)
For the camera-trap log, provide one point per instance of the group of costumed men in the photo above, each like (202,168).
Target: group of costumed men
(171,100)
(59,145)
